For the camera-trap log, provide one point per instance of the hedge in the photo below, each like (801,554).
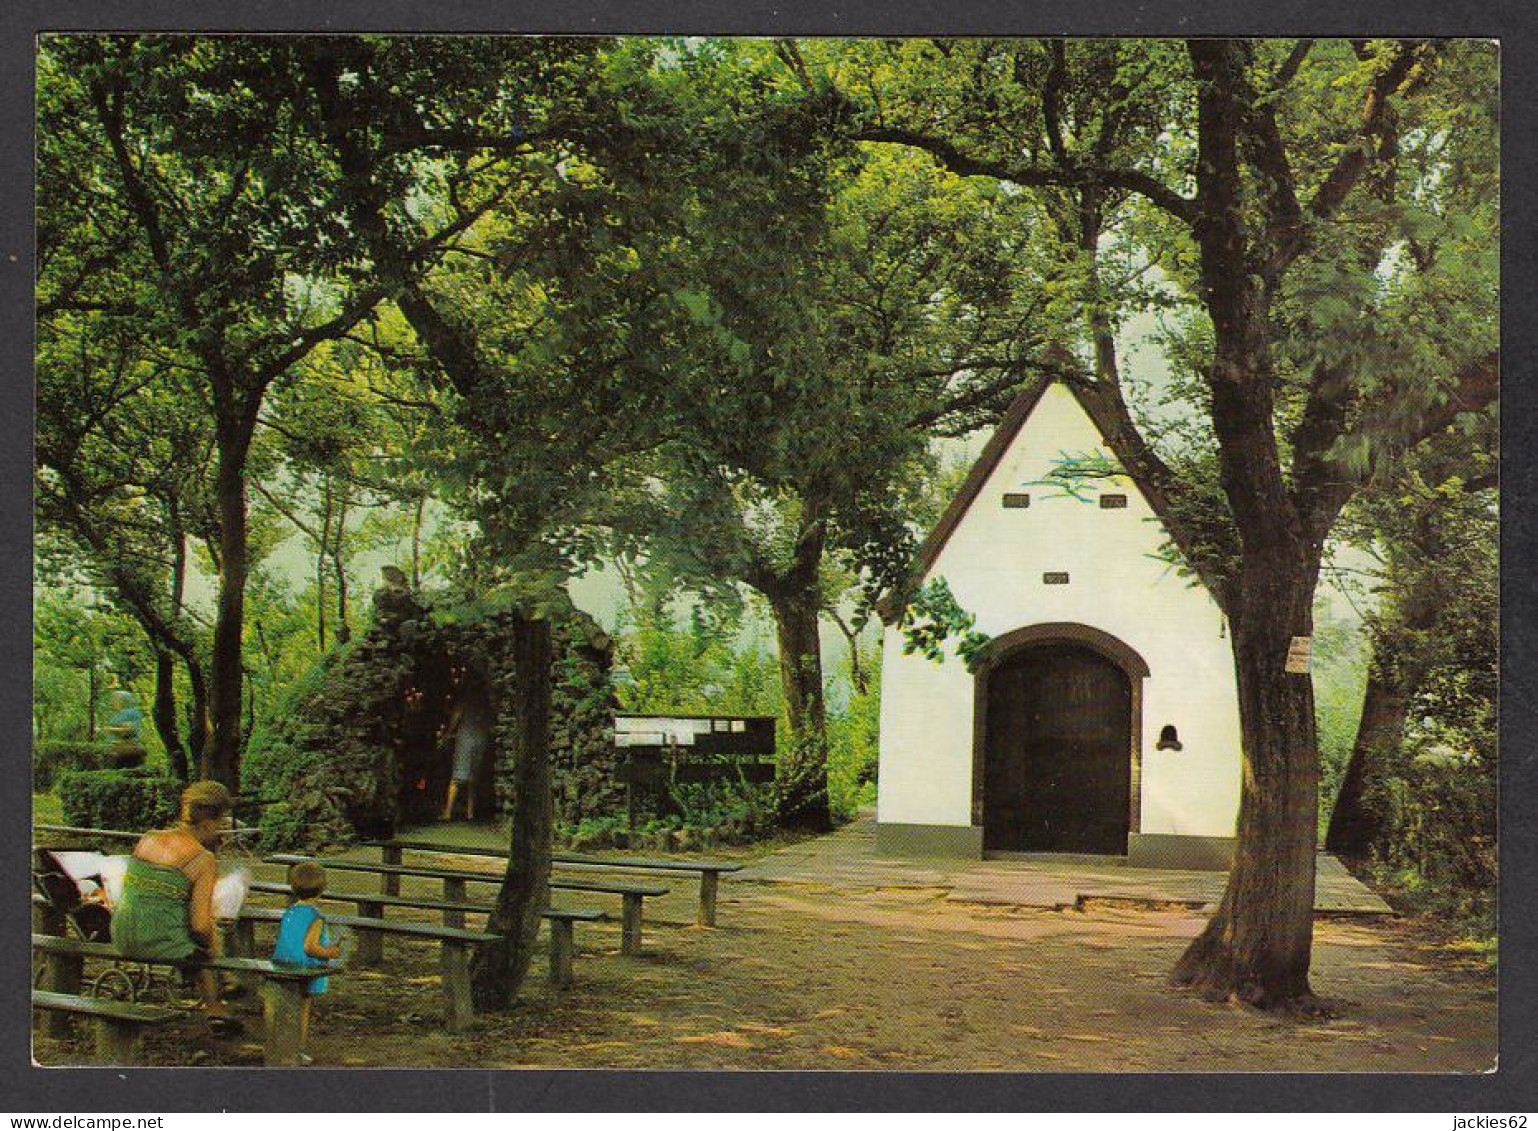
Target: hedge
(133,800)
(52,759)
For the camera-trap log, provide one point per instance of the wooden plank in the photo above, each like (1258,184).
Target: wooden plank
(282,1007)
(103,1007)
(62,974)
(572,858)
(630,927)
(424,903)
(76,830)
(391,884)
(458,1008)
(454,893)
(430,931)
(370,950)
(432,873)
(119,1026)
(562,947)
(707,912)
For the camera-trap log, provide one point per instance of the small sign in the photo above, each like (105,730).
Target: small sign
(1298,654)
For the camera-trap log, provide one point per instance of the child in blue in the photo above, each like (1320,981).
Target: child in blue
(303,939)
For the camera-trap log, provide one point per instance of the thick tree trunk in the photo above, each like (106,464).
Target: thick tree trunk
(1257,946)
(803,781)
(221,759)
(498,970)
(1354,823)
(164,714)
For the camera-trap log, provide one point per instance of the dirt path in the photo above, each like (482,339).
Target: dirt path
(802,976)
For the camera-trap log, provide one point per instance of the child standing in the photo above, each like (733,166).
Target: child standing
(303,939)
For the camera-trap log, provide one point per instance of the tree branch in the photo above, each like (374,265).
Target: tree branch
(1034,176)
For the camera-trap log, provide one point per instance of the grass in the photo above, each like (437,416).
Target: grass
(46,809)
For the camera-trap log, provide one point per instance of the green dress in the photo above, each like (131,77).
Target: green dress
(151,918)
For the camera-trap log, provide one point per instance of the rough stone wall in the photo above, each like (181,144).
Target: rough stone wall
(362,748)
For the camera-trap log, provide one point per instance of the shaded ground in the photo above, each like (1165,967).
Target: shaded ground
(807,975)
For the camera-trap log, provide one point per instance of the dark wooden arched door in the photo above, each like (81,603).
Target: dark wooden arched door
(1057,765)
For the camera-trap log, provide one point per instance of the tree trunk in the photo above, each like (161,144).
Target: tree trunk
(498,970)
(221,761)
(1354,824)
(416,544)
(1256,948)
(803,772)
(320,570)
(197,712)
(343,632)
(164,714)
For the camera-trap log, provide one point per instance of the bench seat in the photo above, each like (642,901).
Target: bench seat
(119,1025)
(456,879)
(371,905)
(285,987)
(710,871)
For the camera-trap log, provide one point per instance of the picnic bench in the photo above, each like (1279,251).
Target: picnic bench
(456,879)
(709,870)
(371,906)
(454,955)
(284,986)
(119,1025)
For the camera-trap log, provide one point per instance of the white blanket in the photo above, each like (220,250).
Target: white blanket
(93,870)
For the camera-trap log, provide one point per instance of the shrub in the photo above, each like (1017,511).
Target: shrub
(51,759)
(118,799)
(281,829)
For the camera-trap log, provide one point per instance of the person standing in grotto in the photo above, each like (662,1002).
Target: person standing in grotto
(470,724)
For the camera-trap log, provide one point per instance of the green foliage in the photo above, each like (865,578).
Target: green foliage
(280,828)
(854,732)
(1339,675)
(1439,851)
(130,800)
(699,669)
(52,759)
(933,617)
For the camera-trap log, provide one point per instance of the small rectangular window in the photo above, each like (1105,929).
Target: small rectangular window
(1113,502)
(1014,500)
(1054,579)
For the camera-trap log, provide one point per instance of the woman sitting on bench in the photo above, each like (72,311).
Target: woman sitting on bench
(166,910)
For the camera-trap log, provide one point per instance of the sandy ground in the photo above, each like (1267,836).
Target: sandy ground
(801,975)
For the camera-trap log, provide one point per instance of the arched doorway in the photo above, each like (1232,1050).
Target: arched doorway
(1058,734)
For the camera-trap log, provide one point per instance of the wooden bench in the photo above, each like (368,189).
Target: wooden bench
(284,987)
(454,955)
(119,1025)
(371,906)
(456,879)
(709,870)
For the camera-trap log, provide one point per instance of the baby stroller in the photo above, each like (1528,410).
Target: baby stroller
(91,921)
